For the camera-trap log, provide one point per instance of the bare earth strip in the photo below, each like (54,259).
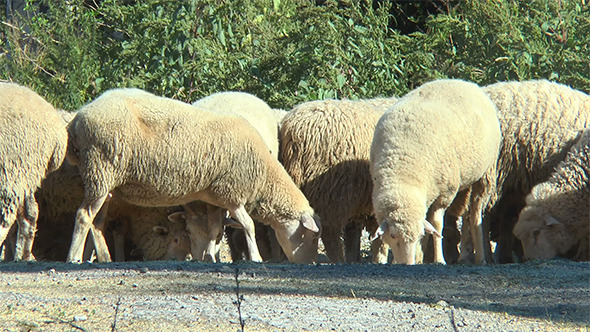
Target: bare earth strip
(178,296)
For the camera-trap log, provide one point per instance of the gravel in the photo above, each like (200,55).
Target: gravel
(146,296)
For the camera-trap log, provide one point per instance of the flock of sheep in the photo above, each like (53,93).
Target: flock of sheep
(149,177)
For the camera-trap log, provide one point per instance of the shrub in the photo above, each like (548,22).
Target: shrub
(288,51)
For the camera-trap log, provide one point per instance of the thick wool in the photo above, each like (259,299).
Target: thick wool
(253,109)
(146,229)
(164,152)
(439,139)
(325,148)
(539,121)
(556,217)
(33,143)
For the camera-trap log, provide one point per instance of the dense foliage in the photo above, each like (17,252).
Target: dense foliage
(288,51)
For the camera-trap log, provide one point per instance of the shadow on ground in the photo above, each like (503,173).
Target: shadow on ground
(557,290)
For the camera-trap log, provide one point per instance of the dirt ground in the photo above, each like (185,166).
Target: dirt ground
(150,296)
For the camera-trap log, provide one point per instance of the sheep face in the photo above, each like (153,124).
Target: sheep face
(179,244)
(542,235)
(299,238)
(205,237)
(404,248)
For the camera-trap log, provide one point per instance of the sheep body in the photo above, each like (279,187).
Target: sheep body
(165,152)
(325,148)
(539,120)
(556,217)
(439,139)
(33,143)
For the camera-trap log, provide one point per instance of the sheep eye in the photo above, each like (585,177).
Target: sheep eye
(536,233)
(175,240)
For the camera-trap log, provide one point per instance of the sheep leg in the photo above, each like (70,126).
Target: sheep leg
(475,212)
(97,228)
(438,221)
(215,216)
(243,218)
(9,243)
(352,241)
(119,238)
(331,238)
(466,245)
(451,238)
(379,251)
(27,226)
(84,222)
(7,227)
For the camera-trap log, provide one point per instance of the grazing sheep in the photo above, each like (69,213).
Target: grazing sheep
(539,121)
(266,121)
(147,229)
(556,217)
(436,141)
(33,143)
(325,148)
(155,151)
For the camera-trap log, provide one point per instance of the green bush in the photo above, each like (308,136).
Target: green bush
(490,41)
(287,51)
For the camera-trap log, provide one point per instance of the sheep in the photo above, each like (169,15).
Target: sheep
(539,120)
(556,217)
(147,229)
(33,143)
(436,141)
(324,146)
(266,122)
(156,151)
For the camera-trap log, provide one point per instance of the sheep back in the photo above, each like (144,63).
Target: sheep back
(253,109)
(539,120)
(177,148)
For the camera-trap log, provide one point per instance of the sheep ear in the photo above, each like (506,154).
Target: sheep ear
(428,228)
(380,231)
(177,217)
(230,222)
(549,220)
(309,222)
(160,230)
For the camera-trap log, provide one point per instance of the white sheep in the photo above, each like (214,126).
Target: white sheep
(155,151)
(325,148)
(437,140)
(147,228)
(266,122)
(556,217)
(33,143)
(539,120)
